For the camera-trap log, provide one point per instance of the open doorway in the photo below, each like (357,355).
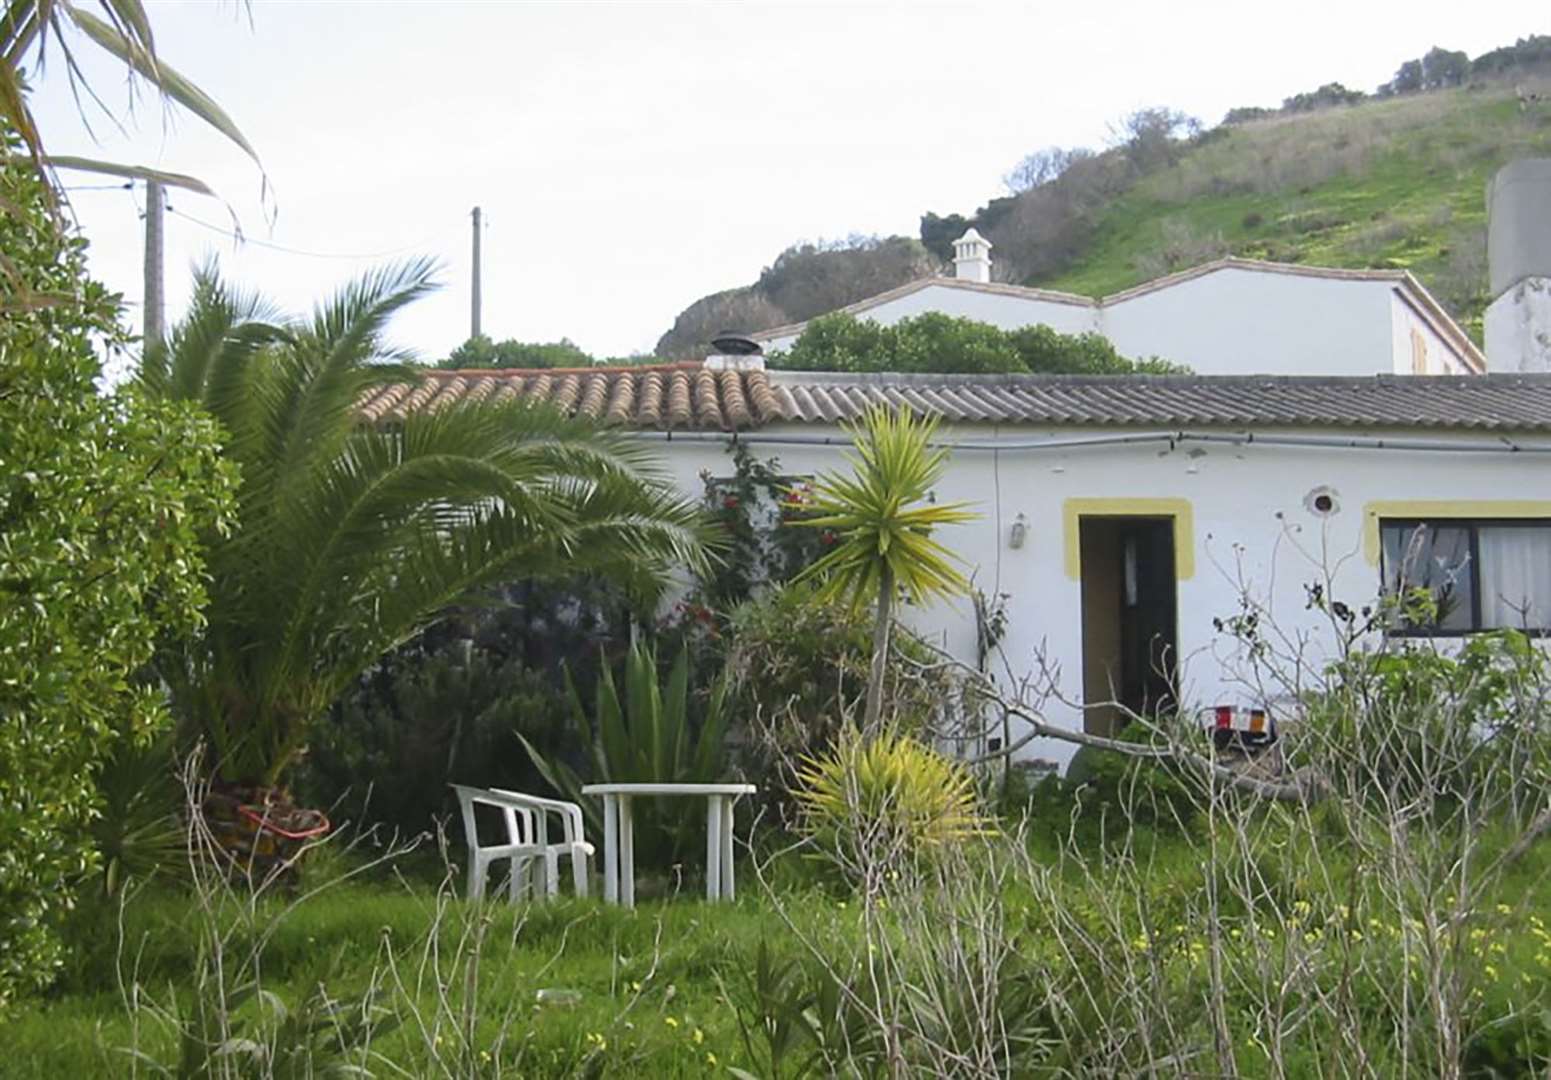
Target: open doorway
(1129,618)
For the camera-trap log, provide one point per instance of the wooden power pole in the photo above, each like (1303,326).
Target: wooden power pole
(474,320)
(154,313)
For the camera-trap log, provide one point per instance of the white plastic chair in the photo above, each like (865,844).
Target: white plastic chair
(527,841)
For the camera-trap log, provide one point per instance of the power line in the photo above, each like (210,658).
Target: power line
(127,185)
(241,239)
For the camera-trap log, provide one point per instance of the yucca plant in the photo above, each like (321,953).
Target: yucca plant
(883,518)
(352,537)
(876,798)
(653,733)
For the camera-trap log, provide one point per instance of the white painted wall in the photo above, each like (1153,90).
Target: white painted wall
(1411,329)
(1231,321)
(1252,531)
(998,309)
(1235,321)
(1518,328)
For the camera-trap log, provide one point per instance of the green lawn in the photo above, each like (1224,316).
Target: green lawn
(641,993)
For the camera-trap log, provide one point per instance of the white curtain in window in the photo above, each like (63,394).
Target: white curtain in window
(1515,577)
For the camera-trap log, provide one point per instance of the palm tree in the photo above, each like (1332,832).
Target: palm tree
(351,537)
(883,518)
(30,28)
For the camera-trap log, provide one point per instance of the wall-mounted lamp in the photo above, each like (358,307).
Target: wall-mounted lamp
(1020,529)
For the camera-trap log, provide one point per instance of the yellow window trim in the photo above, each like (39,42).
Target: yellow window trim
(1074,510)
(1374,512)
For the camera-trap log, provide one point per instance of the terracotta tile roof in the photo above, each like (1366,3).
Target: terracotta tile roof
(690,396)
(680,396)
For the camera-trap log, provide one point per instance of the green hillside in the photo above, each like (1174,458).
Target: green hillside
(1397,183)
(1334,177)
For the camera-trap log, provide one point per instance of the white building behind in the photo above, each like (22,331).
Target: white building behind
(1228,317)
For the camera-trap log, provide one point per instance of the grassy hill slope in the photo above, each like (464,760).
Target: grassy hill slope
(1396,184)
(1391,182)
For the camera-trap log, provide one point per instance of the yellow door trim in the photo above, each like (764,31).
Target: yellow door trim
(1374,512)
(1074,510)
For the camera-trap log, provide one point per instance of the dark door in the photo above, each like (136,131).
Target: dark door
(1148,615)
(1129,607)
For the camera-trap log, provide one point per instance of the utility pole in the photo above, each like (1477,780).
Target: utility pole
(474,321)
(153,312)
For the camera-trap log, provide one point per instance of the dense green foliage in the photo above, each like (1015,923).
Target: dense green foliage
(934,343)
(353,538)
(754,507)
(481,352)
(805,280)
(103,501)
(798,670)
(448,706)
(644,730)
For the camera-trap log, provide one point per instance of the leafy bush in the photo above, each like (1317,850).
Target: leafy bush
(654,733)
(937,343)
(797,672)
(1140,791)
(753,506)
(1416,720)
(426,721)
(448,706)
(481,352)
(102,502)
(873,800)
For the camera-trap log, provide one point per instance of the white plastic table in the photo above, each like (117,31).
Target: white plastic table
(619,835)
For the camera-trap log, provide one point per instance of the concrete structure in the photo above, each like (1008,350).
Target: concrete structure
(1228,317)
(1130,519)
(972,257)
(1518,322)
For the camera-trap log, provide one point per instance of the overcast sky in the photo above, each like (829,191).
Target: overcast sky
(632,157)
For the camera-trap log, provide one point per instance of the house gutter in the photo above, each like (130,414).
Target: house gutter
(1502,445)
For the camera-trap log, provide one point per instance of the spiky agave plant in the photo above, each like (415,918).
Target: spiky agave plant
(873,799)
(884,520)
(352,537)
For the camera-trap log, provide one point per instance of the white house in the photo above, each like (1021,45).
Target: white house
(1125,515)
(1129,518)
(1227,317)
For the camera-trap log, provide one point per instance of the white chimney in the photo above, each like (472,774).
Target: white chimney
(972,257)
(1518,322)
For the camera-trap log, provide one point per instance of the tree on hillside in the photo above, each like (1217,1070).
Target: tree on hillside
(1443,68)
(103,501)
(1154,136)
(805,280)
(1407,80)
(1527,54)
(1042,167)
(939,232)
(934,343)
(1327,96)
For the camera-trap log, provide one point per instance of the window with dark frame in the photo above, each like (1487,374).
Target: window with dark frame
(1483,574)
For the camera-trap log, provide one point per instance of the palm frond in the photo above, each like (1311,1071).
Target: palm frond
(882,517)
(353,538)
(129,39)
